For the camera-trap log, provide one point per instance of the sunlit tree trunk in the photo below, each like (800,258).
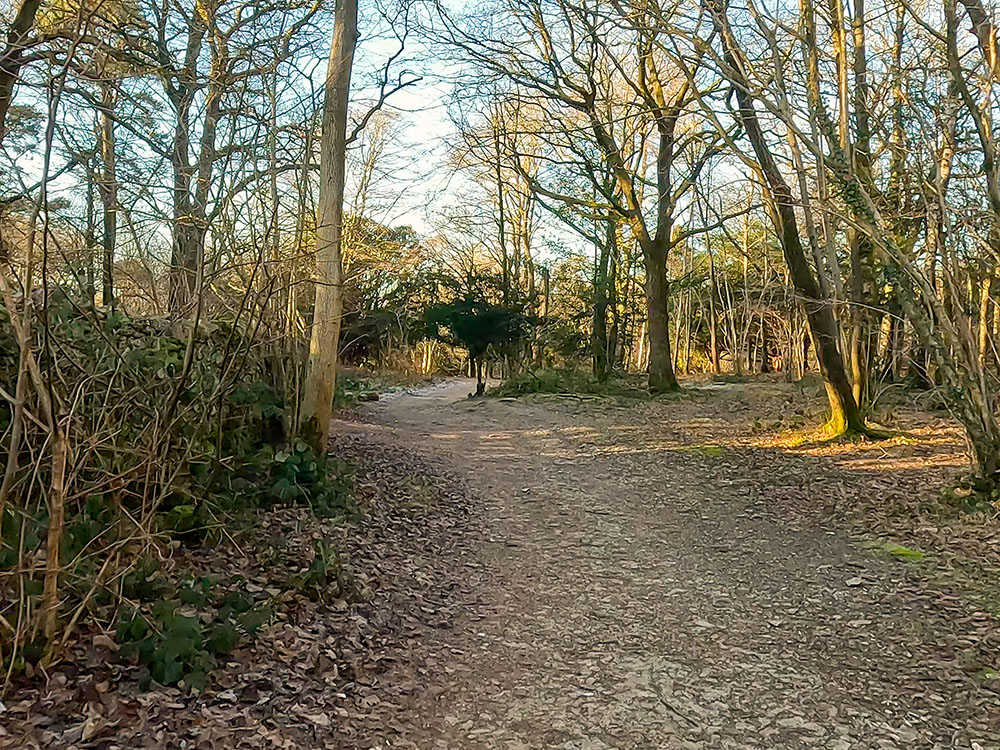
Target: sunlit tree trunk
(845,416)
(713,317)
(317,397)
(984,317)
(864,333)
(661,370)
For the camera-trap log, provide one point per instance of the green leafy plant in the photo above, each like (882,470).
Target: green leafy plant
(324,576)
(145,582)
(170,646)
(179,638)
(323,483)
(196,591)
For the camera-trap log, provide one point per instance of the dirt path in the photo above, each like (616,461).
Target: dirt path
(634,587)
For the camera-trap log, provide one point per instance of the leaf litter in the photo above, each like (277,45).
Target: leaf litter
(569,574)
(315,676)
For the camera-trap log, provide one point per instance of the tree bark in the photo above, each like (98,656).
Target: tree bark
(984,318)
(893,344)
(193,181)
(654,246)
(12,57)
(765,347)
(317,398)
(864,333)
(108,190)
(661,371)
(57,524)
(845,415)
(713,315)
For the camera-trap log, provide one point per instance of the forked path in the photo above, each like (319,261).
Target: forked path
(636,589)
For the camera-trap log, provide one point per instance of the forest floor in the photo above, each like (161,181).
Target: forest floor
(576,572)
(672,574)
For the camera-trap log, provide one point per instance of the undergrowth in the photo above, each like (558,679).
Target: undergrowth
(567,381)
(355,386)
(172,435)
(174,632)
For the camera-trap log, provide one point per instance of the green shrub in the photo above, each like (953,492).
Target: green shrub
(179,638)
(176,449)
(175,633)
(145,582)
(322,482)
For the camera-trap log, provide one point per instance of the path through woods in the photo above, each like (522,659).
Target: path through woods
(640,577)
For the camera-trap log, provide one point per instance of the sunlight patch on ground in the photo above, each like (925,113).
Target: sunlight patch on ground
(818,439)
(637,450)
(578,430)
(900,463)
(447,435)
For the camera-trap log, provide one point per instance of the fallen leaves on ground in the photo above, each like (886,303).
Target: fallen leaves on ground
(314,677)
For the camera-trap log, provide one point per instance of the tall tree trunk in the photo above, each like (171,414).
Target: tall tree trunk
(994,332)
(688,313)
(615,332)
(193,180)
(57,525)
(656,245)
(984,317)
(661,370)
(543,313)
(713,315)
(765,347)
(845,416)
(317,397)
(678,317)
(864,333)
(89,236)
(108,189)
(893,344)
(188,234)
(641,354)
(501,218)
(921,374)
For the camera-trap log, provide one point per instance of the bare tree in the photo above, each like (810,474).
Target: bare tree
(317,394)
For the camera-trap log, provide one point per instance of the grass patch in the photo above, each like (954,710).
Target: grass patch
(568,382)
(708,449)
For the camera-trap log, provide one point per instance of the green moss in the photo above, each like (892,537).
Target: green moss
(900,552)
(708,449)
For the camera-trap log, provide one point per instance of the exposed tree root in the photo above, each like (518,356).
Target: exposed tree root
(662,388)
(844,433)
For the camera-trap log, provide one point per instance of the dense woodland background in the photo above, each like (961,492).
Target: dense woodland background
(196,222)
